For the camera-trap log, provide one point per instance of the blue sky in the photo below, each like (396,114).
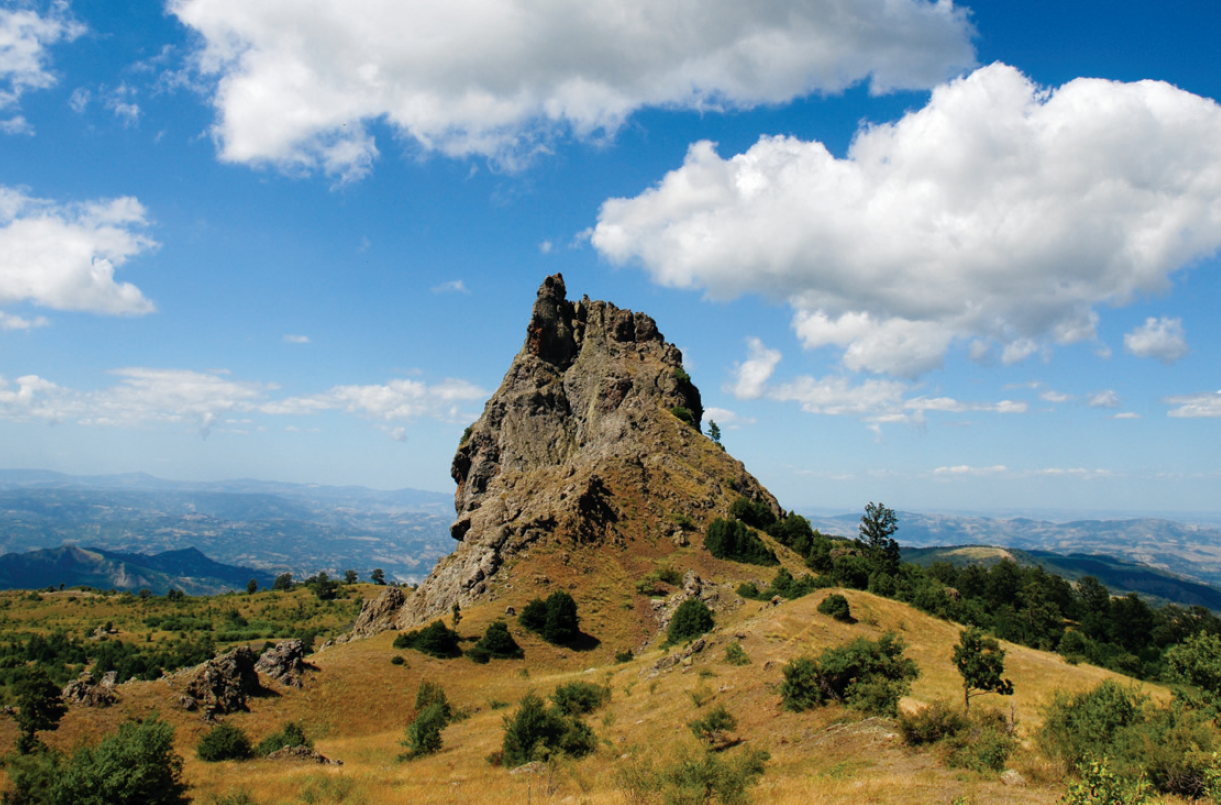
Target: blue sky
(943,256)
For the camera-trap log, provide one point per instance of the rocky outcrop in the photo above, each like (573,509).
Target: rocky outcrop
(88,691)
(284,662)
(591,442)
(222,685)
(378,615)
(302,754)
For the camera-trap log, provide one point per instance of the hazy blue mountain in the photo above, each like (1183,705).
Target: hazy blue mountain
(187,570)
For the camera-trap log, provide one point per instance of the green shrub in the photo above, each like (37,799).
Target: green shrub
(713,729)
(1101,786)
(289,736)
(397,659)
(536,732)
(135,766)
(424,732)
(435,640)
(580,698)
(931,724)
(1076,727)
(694,776)
(756,514)
(555,620)
(691,619)
(984,745)
(498,643)
(736,655)
(733,541)
(1169,747)
(683,414)
(864,675)
(836,606)
(433,714)
(624,656)
(224,742)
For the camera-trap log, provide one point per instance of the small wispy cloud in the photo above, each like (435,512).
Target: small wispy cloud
(296,339)
(453,286)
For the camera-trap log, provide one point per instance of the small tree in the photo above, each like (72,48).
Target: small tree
(456,611)
(980,661)
(1197,662)
(714,431)
(39,707)
(252,587)
(350,577)
(865,675)
(283,582)
(377,576)
(325,587)
(536,731)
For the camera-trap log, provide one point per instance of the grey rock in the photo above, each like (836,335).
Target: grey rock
(222,685)
(284,662)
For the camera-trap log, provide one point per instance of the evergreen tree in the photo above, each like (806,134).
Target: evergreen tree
(39,707)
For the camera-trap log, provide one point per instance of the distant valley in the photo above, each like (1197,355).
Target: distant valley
(276,527)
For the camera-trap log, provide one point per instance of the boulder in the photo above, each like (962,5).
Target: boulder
(222,685)
(284,662)
(87,691)
(302,754)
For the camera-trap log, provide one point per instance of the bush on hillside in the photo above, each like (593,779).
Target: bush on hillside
(433,714)
(580,698)
(496,643)
(836,606)
(733,541)
(1172,747)
(536,732)
(136,765)
(865,675)
(224,742)
(692,619)
(435,640)
(289,736)
(555,620)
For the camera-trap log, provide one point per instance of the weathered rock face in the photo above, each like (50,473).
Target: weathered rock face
(284,662)
(221,685)
(592,440)
(88,691)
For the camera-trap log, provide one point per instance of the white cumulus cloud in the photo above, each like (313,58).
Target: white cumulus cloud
(1002,213)
(64,256)
(1157,338)
(25,35)
(296,83)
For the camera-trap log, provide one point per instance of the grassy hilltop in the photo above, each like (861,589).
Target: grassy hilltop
(357,704)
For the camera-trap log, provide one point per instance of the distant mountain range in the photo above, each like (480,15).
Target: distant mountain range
(1119,576)
(1191,551)
(276,527)
(187,570)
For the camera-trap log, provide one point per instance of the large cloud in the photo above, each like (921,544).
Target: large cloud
(64,256)
(1001,213)
(25,35)
(297,81)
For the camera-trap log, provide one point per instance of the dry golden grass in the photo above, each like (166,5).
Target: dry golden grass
(357,705)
